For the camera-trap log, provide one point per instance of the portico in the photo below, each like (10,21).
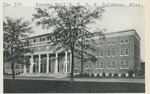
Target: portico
(48,62)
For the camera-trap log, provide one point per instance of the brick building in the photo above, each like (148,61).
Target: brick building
(118,52)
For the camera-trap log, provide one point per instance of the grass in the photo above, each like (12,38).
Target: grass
(40,86)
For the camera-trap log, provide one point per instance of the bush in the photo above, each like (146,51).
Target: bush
(86,75)
(92,74)
(123,75)
(130,73)
(97,75)
(116,74)
(140,73)
(79,75)
(110,74)
(103,74)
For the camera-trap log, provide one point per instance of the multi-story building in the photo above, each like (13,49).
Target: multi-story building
(117,52)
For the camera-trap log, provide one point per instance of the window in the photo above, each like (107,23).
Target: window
(101,43)
(16,67)
(97,55)
(108,65)
(21,66)
(90,65)
(135,40)
(108,42)
(121,65)
(101,53)
(27,41)
(113,64)
(108,53)
(7,66)
(76,65)
(127,40)
(34,40)
(43,39)
(121,52)
(127,52)
(97,66)
(113,52)
(101,65)
(121,40)
(86,65)
(127,65)
(113,41)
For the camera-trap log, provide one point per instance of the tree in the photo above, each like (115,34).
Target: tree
(14,48)
(70,24)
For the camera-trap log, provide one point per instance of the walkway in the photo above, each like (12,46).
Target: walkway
(64,78)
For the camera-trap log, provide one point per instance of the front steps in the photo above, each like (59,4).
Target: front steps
(53,75)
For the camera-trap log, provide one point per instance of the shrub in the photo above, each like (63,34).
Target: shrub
(140,73)
(123,75)
(103,74)
(79,75)
(97,75)
(86,75)
(130,73)
(116,74)
(110,74)
(92,74)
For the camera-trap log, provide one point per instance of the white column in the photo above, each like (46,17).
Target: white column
(39,63)
(56,63)
(66,59)
(31,64)
(70,61)
(24,68)
(47,65)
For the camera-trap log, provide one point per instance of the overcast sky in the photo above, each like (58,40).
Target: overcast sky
(114,19)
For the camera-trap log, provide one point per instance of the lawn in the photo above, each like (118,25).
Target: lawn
(47,86)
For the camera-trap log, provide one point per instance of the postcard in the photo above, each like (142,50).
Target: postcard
(60,46)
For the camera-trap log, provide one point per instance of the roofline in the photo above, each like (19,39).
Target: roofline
(104,33)
(37,35)
(120,31)
(125,31)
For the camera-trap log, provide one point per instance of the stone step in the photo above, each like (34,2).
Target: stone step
(55,75)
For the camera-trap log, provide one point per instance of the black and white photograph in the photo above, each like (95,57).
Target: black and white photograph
(87,47)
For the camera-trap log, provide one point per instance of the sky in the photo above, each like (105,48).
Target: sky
(114,19)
